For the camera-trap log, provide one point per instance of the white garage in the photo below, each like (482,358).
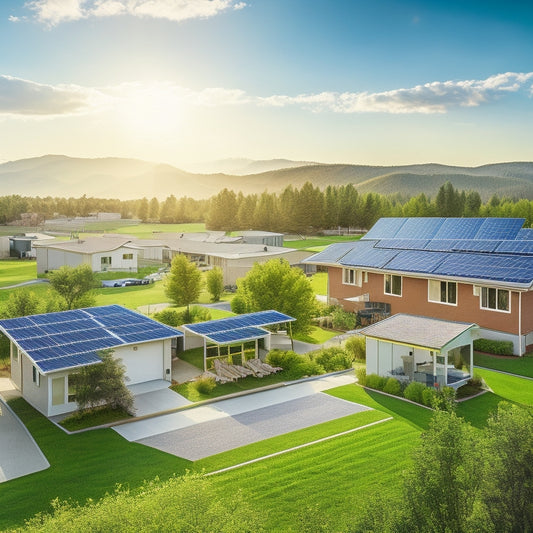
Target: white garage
(46,349)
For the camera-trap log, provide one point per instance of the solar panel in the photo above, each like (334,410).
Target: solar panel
(525,234)
(237,335)
(333,253)
(459,228)
(76,336)
(416,261)
(365,255)
(385,228)
(261,318)
(402,244)
(518,246)
(475,245)
(500,228)
(440,245)
(419,228)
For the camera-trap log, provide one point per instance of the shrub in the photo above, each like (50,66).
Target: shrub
(413,391)
(342,319)
(445,399)
(203,385)
(355,346)
(360,374)
(333,359)
(199,314)
(375,382)
(495,347)
(476,380)
(169,316)
(392,386)
(428,396)
(285,359)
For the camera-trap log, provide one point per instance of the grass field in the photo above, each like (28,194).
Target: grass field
(319,243)
(16,271)
(523,366)
(150,231)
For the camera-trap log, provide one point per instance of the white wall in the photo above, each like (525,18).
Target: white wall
(117,262)
(35,395)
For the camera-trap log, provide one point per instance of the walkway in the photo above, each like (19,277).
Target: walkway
(19,453)
(205,430)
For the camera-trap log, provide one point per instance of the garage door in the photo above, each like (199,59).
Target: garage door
(143,364)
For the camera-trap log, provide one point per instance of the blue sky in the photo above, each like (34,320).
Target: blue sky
(191,81)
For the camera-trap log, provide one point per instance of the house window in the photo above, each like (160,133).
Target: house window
(497,299)
(72,387)
(442,291)
(126,257)
(58,391)
(351,276)
(36,377)
(106,260)
(393,284)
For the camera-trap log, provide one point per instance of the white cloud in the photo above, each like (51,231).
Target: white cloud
(27,98)
(53,12)
(434,97)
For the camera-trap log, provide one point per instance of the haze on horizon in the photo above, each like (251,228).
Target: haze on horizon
(186,82)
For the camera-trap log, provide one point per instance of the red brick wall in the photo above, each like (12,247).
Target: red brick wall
(414,300)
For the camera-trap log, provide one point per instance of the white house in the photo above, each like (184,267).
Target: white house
(47,349)
(102,254)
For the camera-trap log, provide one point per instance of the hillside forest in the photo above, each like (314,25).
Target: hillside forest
(306,210)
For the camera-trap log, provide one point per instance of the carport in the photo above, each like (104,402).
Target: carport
(236,331)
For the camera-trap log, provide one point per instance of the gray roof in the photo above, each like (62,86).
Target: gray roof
(88,245)
(417,330)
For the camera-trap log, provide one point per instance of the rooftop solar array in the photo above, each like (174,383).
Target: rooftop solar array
(239,328)
(68,339)
(492,249)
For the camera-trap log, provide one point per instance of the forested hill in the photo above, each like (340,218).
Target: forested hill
(57,175)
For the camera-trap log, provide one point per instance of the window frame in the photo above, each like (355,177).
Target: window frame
(357,277)
(127,257)
(391,283)
(447,289)
(486,295)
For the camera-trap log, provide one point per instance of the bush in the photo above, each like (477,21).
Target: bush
(393,386)
(173,317)
(203,385)
(413,391)
(360,374)
(374,381)
(429,396)
(476,381)
(355,346)
(285,359)
(342,319)
(333,359)
(495,347)
(445,399)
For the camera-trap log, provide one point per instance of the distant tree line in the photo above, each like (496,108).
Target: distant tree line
(305,210)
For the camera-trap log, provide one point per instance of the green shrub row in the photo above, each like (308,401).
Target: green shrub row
(495,347)
(442,398)
(173,317)
(297,366)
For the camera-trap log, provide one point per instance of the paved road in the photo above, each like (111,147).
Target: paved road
(209,429)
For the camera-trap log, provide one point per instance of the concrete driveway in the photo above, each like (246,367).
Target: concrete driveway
(19,453)
(202,431)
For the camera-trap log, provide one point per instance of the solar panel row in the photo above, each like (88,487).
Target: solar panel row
(56,340)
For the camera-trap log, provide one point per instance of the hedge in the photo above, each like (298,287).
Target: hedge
(495,347)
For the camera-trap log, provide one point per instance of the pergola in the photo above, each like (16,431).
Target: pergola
(238,329)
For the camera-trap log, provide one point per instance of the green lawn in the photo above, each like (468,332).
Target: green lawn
(13,271)
(313,243)
(85,465)
(150,231)
(523,366)
(319,282)
(316,335)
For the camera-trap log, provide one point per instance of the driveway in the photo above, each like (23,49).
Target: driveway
(202,431)
(19,453)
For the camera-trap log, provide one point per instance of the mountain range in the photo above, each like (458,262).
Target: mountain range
(110,177)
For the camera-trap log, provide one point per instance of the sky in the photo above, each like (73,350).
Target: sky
(186,82)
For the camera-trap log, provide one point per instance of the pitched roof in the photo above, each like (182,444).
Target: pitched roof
(475,249)
(419,331)
(70,339)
